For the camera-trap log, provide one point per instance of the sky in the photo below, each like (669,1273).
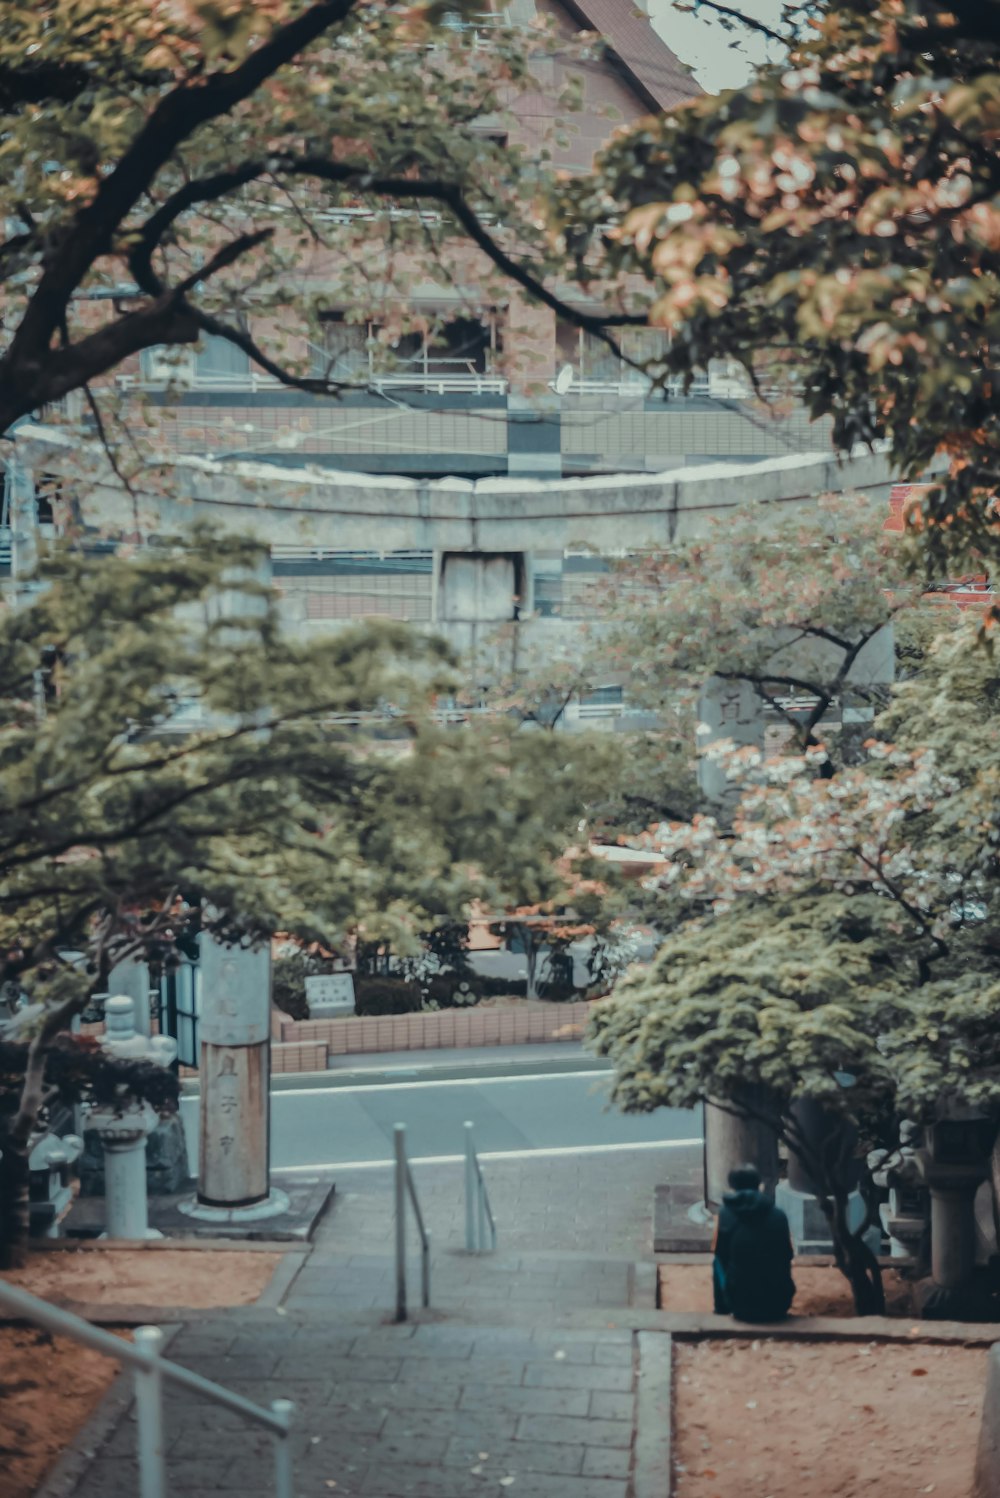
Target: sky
(708,48)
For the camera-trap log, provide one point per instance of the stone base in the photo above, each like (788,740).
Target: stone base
(276,1204)
(681,1222)
(974,1300)
(151,1235)
(809,1227)
(307,1199)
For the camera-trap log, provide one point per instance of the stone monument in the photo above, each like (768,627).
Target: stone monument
(234,1132)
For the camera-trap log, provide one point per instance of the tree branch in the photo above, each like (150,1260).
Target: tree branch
(177,117)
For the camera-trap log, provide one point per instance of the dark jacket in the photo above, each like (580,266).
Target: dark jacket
(753,1257)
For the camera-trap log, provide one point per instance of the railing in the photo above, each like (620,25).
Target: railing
(404,1184)
(150,1370)
(440,384)
(478,1212)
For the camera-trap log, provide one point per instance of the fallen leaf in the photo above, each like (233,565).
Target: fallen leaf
(918,1372)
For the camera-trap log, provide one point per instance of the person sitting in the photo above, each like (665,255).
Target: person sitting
(751,1271)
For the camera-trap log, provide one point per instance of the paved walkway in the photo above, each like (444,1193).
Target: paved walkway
(520,1383)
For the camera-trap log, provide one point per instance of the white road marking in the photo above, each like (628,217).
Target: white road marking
(571,1149)
(380,1086)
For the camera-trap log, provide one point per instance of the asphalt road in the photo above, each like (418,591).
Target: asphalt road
(552,1112)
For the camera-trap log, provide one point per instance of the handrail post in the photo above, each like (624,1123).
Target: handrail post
(284,1410)
(425,1270)
(148,1382)
(399,1134)
(470,1187)
(482,1212)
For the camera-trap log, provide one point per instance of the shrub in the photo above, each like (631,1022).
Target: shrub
(377,996)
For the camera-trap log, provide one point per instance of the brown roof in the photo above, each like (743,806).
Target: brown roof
(653,70)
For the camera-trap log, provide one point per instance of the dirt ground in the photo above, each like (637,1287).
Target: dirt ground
(49,1386)
(769,1419)
(147,1277)
(820,1291)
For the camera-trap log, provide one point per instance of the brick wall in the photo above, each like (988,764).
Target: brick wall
(493,1025)
(297,1055)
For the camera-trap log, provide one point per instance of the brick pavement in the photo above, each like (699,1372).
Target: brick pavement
(520,1382)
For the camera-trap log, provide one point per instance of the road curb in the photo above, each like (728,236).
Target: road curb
(652,1474)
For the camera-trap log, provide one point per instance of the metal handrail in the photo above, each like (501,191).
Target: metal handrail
(404,1184)
(150,1369)
(478,1212)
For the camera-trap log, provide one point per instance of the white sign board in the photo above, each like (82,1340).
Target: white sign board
(330,991)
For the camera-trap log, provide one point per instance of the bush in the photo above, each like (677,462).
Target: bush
(377,996)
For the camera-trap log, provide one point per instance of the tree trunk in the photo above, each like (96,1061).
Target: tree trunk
(14,1219)
(855,1259)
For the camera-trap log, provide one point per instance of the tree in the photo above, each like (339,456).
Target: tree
(838,942)
(173,168)
(528,832)
(792,608)
(171,762)
(835,226)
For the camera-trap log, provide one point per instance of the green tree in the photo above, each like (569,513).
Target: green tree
(838,928)
(835,225)
(171,761)
(790,605)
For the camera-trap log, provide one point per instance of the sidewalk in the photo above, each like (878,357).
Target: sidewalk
(521,1381)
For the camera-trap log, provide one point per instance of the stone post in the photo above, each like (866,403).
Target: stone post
(234,1151)
(953,1232)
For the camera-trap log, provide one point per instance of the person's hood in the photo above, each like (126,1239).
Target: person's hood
(746,1203)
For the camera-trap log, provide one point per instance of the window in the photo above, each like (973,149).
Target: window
(461,351)
(48,493)
(214,361)
(594,362)
(219,360)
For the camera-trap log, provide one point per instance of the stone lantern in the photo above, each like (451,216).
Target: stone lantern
(124,1130)
(953,1163)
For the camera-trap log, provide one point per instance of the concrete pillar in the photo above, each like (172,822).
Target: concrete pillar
(234,1149)
(731,1141)
(726,710)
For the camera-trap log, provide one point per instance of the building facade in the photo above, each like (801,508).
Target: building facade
(512,390)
